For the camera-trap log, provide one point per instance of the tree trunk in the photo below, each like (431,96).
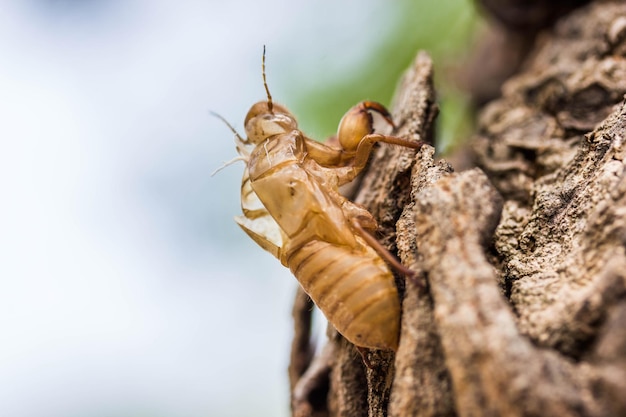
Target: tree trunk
(518,307)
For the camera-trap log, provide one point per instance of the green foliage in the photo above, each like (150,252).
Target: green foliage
(441,27)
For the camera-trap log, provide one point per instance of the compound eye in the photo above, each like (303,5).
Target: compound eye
(265,125)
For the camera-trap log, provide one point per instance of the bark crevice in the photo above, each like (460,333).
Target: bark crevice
(518,307)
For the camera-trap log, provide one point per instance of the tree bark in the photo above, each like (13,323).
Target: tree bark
(518,306)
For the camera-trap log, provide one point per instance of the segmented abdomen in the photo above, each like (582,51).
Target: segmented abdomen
(353,288)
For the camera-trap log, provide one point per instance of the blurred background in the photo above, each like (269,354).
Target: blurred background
(126,287)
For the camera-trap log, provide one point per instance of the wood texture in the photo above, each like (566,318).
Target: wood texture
(518,306)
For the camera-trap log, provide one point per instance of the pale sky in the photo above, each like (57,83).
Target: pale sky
(127,289)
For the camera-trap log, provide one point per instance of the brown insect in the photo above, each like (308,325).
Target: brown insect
(293,209)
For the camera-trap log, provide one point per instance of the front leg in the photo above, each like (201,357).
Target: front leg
(328,154)
(364,148)
(347,173)
(356,137)
(351,210)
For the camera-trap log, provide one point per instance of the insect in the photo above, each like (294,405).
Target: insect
(292,208)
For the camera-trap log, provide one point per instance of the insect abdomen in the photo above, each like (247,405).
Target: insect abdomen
(354,289)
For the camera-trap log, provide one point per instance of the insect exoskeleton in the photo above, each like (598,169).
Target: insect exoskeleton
(292,208)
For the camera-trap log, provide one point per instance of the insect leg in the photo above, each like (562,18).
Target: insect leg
(261,230)
(363,352)
(365,146)
(347,173)
(326,154)
(382,251)
(359,214)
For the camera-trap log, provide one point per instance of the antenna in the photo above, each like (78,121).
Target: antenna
(238,137)
(240,144)
(270,105)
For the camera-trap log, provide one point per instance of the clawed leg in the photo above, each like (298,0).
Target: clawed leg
(347,173)
(359,214)
(363,352)
(368,141)
(382,251)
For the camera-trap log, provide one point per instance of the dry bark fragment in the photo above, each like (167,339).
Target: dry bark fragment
(495,370)
(385,190)
(533,147)
(308,377)
(564,265)
(422,385)
(570,84)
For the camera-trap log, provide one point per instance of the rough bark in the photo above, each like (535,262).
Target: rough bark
(518,306)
